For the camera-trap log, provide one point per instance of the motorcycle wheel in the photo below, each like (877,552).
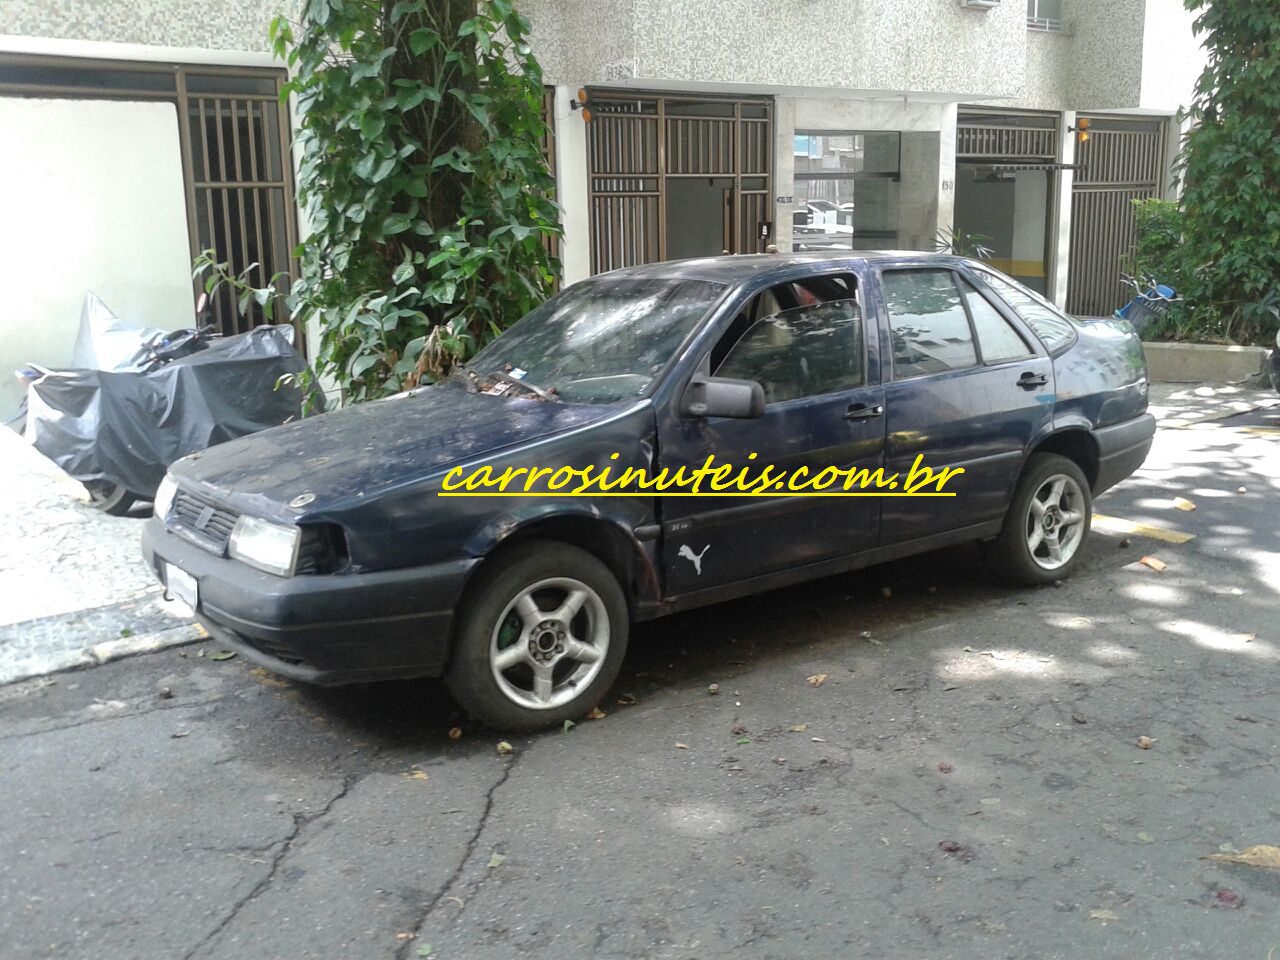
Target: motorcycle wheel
(110,498)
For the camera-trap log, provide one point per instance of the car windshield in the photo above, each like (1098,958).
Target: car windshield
(600,340)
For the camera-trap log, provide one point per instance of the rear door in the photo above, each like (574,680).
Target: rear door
(806,344)
(969,389)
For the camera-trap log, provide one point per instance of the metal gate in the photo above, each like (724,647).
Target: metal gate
(639,145)
(1121,161)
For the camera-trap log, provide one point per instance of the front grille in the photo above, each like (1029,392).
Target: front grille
(202,521)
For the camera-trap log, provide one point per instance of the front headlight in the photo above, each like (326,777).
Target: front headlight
(272,547)
(163,500)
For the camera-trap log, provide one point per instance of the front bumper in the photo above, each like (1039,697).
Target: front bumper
(325,629)
(1122,449)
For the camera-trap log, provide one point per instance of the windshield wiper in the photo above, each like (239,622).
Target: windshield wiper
(547,395)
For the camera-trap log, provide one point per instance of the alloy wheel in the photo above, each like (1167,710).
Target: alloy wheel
(549,643)
(1055,522)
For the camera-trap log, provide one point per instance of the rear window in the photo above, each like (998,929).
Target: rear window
(1053,328)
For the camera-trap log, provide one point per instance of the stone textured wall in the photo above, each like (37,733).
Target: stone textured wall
(907,45)
(583,41)
(212,24)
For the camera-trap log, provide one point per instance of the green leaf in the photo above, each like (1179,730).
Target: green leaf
(422,40)
(396,223)
(424,950)
(402,273)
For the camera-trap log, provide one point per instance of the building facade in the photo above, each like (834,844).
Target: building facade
(140,132)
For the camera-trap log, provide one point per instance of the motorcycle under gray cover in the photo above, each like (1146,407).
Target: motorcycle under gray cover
(126,428)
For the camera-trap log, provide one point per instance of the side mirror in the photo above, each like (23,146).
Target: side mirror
(722,397)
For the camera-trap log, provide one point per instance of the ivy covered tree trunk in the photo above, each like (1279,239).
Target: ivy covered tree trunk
(423,179)
(1231,172)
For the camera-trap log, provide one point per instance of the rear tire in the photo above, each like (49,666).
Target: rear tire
(539,638)
(110,498)
(1047,523)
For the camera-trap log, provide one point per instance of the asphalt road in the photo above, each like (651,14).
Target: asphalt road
(967,783)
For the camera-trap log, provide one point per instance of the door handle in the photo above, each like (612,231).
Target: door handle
(1032,381)
(863,411)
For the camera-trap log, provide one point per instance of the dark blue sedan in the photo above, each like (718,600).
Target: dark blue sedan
(326,551)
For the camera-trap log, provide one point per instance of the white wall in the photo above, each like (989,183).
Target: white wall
(91,198)
(1172,56)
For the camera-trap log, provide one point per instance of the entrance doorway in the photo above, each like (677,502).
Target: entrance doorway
(674,177)
(1005,184)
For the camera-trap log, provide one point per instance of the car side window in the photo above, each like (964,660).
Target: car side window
(805,351)
(1053,329)
(997,339)
(930,327)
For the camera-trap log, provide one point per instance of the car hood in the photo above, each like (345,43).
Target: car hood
(359,451)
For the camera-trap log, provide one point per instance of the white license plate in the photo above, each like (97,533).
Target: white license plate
(182,586)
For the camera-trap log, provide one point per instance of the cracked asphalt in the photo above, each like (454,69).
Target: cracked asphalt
(966,782)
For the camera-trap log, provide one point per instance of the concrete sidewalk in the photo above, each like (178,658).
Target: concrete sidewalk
(73,588)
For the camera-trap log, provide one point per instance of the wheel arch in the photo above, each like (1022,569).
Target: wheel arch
(1077,445)
(606,539)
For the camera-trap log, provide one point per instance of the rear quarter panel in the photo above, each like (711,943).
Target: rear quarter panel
(1102,378)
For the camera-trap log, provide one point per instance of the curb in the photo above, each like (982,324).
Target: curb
(104,652)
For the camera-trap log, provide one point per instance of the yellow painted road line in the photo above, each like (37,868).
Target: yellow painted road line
(1115,525)
(1261,431)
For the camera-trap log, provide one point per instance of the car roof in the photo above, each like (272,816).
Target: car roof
(740,267)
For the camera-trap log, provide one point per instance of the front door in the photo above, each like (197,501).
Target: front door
(805,344)
(968,390)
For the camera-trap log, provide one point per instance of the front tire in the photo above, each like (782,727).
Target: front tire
(1047,523)
(539,638)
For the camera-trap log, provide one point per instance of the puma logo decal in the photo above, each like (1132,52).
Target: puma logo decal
(695,558)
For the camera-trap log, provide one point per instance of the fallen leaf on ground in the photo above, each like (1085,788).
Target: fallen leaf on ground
(1079,718)
(404,936)
(1227,899)
(799,727)
(424,950)
(966,649)
(568,725)
(779,760)
(1182,503)
(738,729)
(1159,566)
(595,713)
(682,746)
(743,741)
(419,775)
(505,749)
(495,860)
(1103,915)
(817,740)
(223,655)
(713,688)
(455,733)
(1144,743)
(200,632)
(1256,856)
(817,680)
(179,734)
(625,700)
(945,767)
(957,850)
